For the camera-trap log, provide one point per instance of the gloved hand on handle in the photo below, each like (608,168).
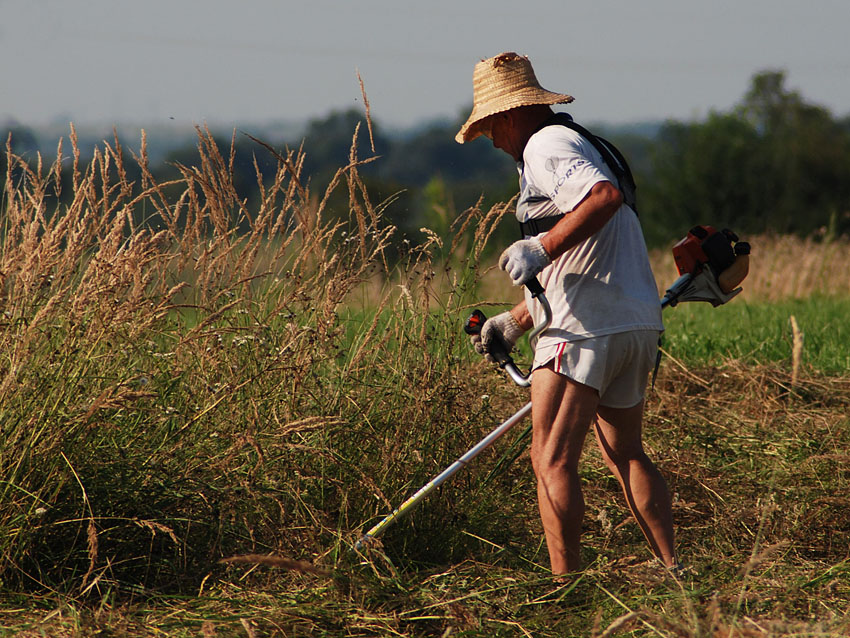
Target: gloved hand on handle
(501,327)
(523,260)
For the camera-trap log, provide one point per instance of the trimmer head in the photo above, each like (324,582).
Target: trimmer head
(700,287)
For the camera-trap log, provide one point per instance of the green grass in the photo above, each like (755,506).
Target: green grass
(761,332)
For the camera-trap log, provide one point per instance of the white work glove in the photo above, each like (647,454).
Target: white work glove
(502,325)
(523,260)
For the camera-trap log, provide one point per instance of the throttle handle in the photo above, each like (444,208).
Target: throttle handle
(497,348)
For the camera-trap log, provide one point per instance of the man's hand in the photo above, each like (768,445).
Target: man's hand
(523,260)
(503,327)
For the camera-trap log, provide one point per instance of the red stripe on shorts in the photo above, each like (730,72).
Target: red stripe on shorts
(561,347)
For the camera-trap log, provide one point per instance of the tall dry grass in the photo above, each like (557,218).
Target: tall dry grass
(184,378)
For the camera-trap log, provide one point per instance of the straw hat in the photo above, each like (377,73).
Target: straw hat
(500,83)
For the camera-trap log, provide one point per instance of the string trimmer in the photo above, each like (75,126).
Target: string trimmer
(711,265)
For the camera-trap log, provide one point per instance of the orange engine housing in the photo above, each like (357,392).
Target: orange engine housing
(688,253)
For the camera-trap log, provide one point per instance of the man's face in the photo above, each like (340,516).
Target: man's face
(501,130)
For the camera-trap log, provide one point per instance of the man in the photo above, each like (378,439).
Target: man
(587,250)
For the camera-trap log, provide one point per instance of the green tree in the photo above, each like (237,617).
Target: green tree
(774,163)
(702,174)
(805,156)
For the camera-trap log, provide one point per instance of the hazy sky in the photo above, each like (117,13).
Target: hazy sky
(248,61)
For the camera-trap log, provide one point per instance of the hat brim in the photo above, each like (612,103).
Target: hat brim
(528,96)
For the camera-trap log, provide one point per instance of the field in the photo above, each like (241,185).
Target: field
(203,407)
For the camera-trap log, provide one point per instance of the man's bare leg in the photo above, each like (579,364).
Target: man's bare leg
(562,411)
(618,432)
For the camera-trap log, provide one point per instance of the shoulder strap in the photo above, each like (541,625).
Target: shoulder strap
(612,156)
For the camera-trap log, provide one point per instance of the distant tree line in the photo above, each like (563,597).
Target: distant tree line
(773,163)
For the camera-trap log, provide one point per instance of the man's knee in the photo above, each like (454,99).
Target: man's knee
(552,469)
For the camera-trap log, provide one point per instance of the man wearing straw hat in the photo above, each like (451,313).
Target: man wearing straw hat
(585,246)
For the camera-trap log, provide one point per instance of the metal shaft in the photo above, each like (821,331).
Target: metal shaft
(438,480)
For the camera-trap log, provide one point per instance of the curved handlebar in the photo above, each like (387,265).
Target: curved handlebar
(498,349)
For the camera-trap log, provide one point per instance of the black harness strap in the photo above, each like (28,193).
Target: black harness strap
(536,226)
(612,156)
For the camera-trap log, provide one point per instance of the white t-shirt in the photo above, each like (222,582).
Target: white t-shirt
(604,285)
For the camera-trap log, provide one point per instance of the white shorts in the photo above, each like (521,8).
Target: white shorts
(616,365)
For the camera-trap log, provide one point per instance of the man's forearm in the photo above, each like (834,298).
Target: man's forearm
(585,220)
